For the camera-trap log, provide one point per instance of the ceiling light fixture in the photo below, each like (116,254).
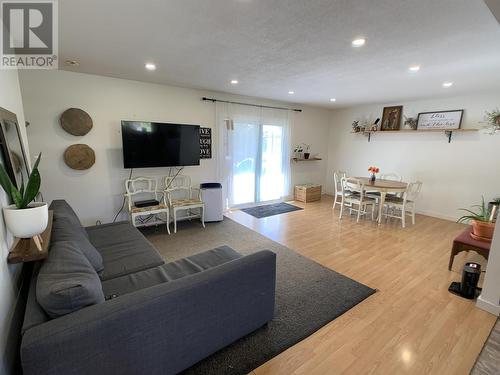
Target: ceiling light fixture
(358,42)
(447,84)
(333,100)
(150,66)
(291,92)
(414,68)
(234,82)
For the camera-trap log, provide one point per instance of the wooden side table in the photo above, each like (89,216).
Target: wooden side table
(30,249)
(464,242)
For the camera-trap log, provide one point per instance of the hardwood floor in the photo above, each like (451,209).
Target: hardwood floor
(412,325)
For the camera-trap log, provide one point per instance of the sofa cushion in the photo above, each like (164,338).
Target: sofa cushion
(67,281)
(168,272)
(123,248)
(63,211)
(66,230)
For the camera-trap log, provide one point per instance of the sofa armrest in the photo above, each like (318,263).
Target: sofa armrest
(159,330)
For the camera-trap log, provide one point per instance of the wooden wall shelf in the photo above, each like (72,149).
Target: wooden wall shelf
(448,133)
(25,249)
(310,159)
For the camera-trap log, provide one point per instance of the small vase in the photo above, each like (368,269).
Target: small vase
(373,178)
(306,155)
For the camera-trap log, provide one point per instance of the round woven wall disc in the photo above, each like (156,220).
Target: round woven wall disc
(79,157)
(76,121)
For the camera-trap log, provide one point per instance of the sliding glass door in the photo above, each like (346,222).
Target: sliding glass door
(256,157)
(257,167)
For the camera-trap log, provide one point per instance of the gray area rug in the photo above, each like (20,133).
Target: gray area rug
(308,295)
(488,362)
(270,209)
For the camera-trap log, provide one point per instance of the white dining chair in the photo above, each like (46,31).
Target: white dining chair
(353,195)
(391,176)
(146,187)
(337,184)
(400,207)
(386,176)
(181,196)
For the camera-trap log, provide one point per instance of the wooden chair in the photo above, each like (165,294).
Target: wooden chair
(146,187)
(337,185)
(400,207)
(181,196)
(353,194)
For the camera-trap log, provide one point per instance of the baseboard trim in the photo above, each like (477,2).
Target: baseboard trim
(488,306)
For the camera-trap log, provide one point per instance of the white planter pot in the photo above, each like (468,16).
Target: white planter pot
(27,222)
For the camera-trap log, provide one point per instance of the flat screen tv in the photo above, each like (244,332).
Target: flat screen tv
(154,144)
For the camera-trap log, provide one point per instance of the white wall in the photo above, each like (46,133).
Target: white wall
(454,175)
(10,99)
(489,299)
(96,194)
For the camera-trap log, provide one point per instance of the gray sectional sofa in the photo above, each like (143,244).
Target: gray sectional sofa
(104,302)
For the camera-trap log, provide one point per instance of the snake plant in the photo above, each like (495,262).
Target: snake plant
(24,196)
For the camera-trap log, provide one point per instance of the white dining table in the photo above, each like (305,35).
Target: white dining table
(383,187)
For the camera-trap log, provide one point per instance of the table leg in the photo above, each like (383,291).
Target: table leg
(381,206)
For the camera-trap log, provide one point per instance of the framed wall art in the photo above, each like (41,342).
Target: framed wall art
(391,118)
(440,120)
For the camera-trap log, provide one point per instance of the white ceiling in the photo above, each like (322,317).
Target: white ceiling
(275,46)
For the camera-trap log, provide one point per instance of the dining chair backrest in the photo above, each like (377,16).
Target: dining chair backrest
(413,191)
(143,186)
(350,184)
(391,176)
(337,179)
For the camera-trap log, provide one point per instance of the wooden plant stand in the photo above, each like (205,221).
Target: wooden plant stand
(31,249)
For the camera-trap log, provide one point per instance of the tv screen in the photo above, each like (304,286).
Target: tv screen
(154,144)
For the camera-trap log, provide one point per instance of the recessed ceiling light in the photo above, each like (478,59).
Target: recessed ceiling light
(234,82)
(414,68)
(333,100)
(150,66)
(358,42)
(291,92)
(447,84)
(72,63)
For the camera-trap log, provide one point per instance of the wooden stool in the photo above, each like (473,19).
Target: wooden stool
(464,242)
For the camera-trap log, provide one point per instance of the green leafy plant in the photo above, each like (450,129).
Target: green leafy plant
(492,119)
(483,213)
(25,195)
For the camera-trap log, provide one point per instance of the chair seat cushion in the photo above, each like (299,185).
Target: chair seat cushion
(67,281)
(186,202)
(149,208)
(123,248)
(169,272)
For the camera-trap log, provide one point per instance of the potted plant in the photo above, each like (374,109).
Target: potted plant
(481,221)
(298,151)
(24,218)
(307,153)
(493,120)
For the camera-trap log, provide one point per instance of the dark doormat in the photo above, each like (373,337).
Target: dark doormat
(308,295)
(270,209)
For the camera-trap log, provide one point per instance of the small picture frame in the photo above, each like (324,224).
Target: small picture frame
(391,118)
(440,120)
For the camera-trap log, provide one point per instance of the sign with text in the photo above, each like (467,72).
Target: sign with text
(205,143)
(29,37)
(441,120)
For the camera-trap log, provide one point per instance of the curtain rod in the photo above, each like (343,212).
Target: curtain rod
(251,105)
